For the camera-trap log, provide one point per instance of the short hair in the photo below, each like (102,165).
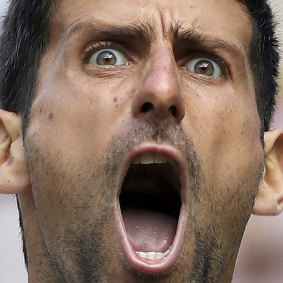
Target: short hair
(26,33)
(23,41)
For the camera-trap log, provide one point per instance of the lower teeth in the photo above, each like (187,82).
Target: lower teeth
(153,255)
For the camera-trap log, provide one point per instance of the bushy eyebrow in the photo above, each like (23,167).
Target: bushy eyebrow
(141,31)
(191,37)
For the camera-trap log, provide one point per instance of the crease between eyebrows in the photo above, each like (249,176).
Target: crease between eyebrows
(145,31)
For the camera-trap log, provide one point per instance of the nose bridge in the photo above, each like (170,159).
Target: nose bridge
(159,92)
(161,76)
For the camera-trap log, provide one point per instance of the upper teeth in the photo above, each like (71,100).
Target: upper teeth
(151,157)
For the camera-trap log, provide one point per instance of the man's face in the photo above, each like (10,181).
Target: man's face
(144,141)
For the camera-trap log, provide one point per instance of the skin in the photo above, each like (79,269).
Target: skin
(87,119)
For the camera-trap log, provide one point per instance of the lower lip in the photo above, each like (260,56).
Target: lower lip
(166,263)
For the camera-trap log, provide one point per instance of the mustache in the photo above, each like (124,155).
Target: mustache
(152,130)
(166,132)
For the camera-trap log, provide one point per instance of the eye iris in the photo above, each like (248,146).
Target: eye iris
(106,58)
(204,68)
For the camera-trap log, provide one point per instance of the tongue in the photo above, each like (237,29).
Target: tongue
(149,230)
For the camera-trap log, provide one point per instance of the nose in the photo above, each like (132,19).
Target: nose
(159,92)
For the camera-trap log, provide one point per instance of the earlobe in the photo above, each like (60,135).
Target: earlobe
(269,200)
(14,177)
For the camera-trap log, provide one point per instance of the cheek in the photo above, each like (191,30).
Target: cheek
(226,132)
(79,116)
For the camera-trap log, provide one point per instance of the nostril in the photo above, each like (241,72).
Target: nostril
(147,107)
(173,110)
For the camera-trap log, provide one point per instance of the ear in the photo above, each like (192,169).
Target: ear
(14,177)
(269,200)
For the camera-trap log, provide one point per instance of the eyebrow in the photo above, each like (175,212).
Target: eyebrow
(205,41)
(191,37)
(141,31)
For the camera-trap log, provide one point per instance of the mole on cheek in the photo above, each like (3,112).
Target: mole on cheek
(116,101)
(50,116)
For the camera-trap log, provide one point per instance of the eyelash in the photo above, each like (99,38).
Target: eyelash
(211,56)
(94,47)
(88,52)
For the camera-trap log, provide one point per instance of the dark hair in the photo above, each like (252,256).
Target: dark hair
(264,58)
(25,36)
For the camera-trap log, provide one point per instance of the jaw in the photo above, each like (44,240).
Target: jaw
(150,210)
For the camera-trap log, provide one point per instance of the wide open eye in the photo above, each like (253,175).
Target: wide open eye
(108,57)
(204,67)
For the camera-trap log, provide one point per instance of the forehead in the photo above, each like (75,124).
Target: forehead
(225,19)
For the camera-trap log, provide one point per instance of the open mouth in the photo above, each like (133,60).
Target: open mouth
(151,220)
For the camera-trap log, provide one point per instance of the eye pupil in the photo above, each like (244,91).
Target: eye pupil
(204,68)
(106,58)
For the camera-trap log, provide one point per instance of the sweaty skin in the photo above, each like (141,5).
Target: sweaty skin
(86,120)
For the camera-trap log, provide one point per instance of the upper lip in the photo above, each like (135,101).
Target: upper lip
(164,264)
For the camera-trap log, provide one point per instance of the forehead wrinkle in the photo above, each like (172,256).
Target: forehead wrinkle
(143,30)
